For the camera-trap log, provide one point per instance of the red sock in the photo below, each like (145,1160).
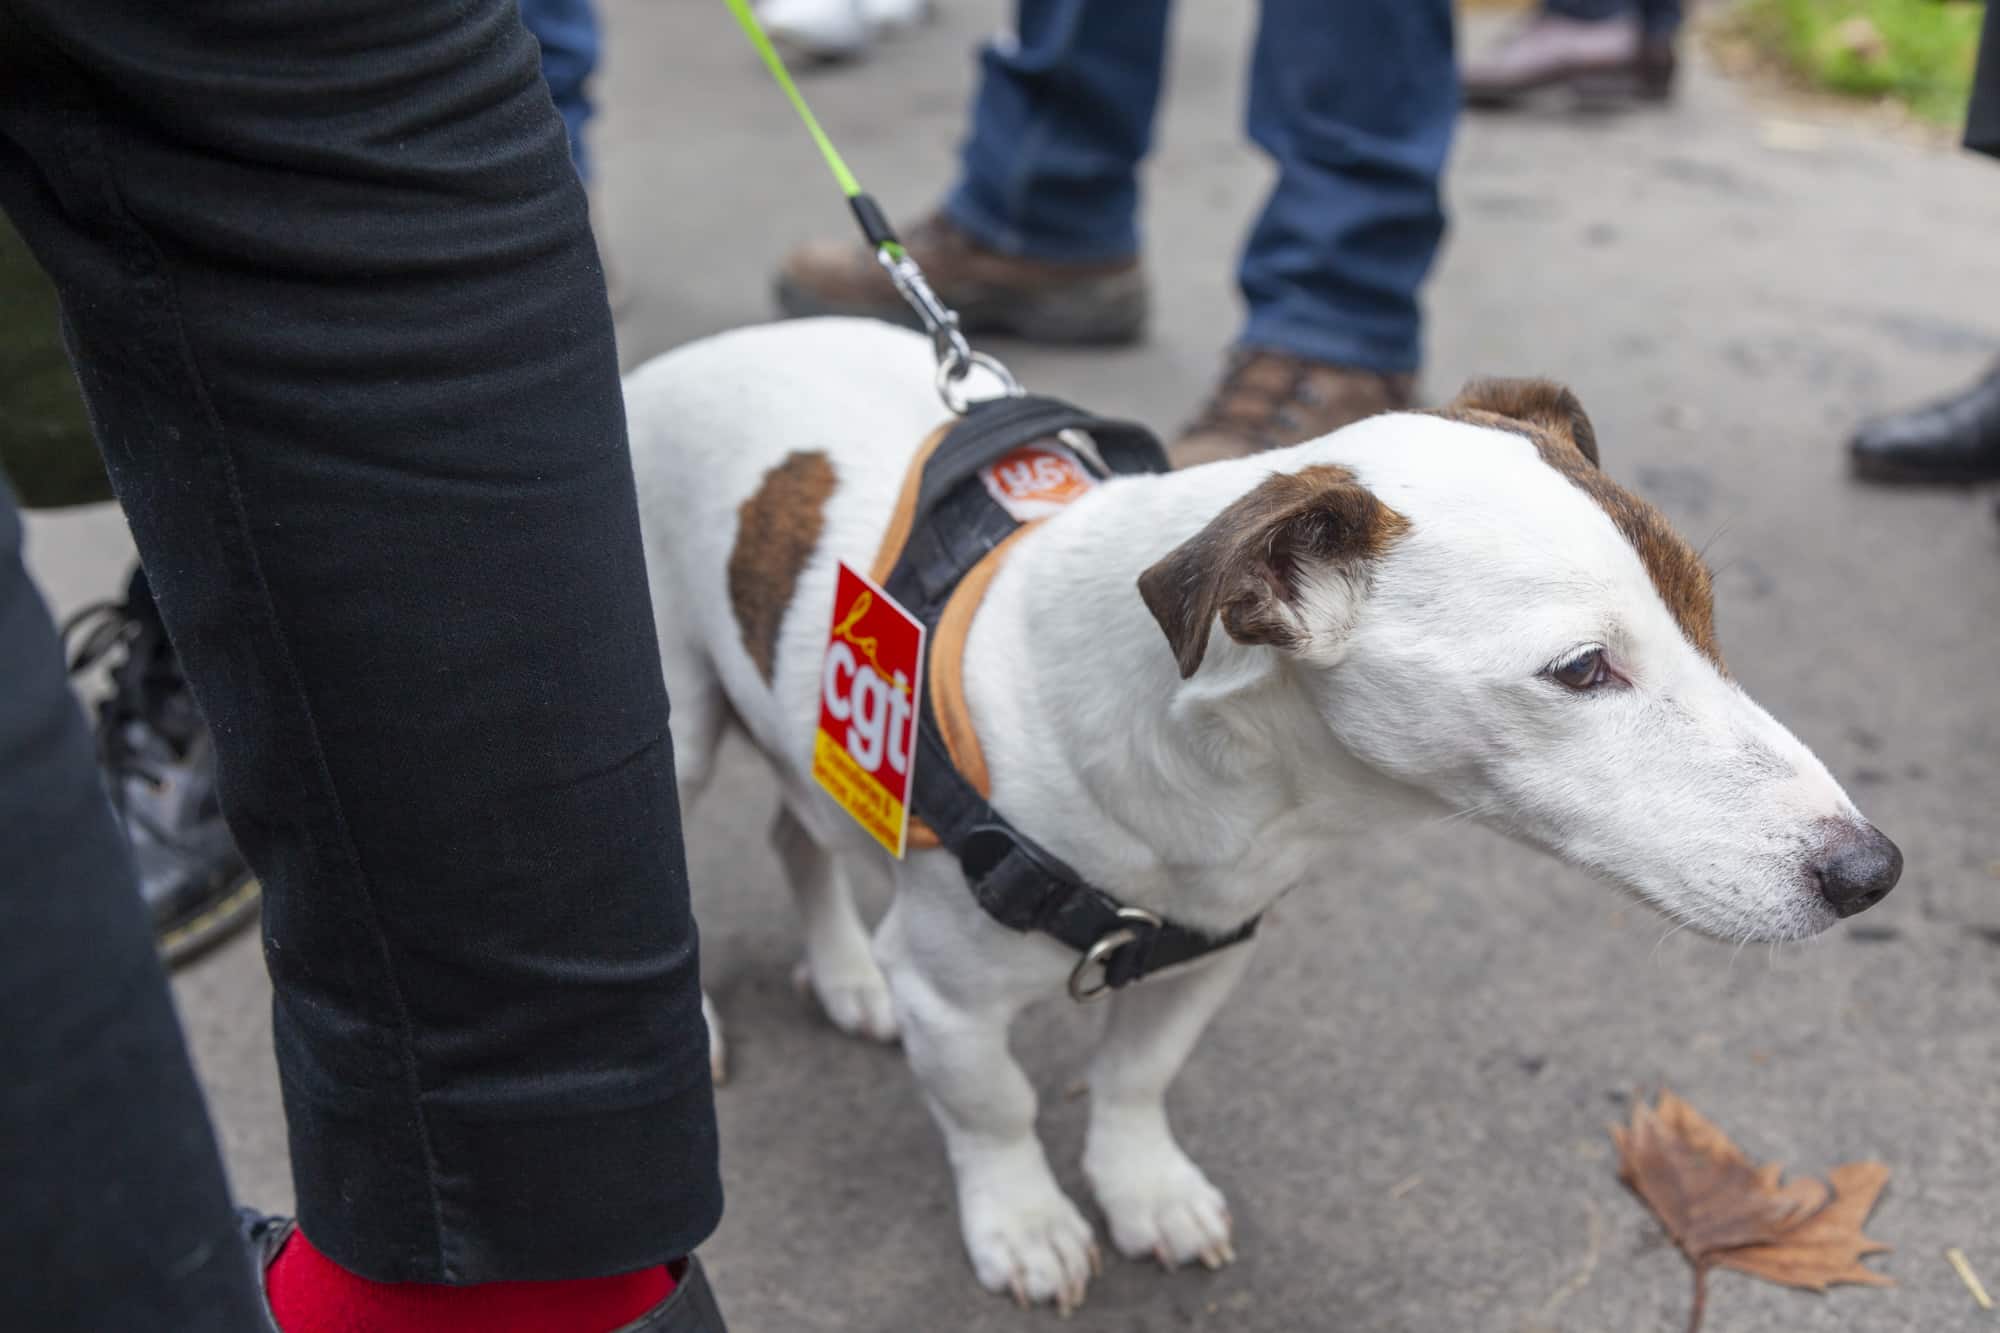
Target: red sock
(310,1293)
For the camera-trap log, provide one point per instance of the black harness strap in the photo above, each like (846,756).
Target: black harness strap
(1019,883)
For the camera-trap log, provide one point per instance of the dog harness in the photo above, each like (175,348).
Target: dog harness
(945,542)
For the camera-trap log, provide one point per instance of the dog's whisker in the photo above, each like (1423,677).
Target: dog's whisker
(1471,812)
(1653,957)
(1734,954)
(1721,531)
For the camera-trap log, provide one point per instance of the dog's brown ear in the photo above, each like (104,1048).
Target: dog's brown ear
(1253,562)
(1541,403)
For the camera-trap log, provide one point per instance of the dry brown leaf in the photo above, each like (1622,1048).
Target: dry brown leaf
(1702,1186)
(1721,1209)
(1827,1247)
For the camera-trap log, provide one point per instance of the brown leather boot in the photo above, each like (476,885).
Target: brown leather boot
(1595,58)
(1269,399)
(992,293)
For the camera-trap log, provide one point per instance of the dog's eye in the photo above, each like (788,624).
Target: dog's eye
(1585,671)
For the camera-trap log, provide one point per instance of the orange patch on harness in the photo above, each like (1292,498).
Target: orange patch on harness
(1035,480)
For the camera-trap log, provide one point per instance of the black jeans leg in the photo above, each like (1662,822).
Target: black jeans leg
(114,1214)
(336,310)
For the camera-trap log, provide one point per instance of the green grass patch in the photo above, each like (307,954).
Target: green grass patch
(1919,52)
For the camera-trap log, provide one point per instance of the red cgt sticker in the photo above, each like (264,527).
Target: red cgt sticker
(870,684)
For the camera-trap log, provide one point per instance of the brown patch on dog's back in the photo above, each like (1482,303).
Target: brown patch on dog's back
(1550,416)
(777,531)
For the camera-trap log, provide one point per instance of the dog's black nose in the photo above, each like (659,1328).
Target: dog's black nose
(1857,867)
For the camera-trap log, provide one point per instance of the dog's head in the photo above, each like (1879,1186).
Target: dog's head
(1475,609)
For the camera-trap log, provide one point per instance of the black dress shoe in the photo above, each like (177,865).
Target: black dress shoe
(689,1308)
(159,770)
(1957,439)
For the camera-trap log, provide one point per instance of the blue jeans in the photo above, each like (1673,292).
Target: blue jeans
(567,33)
(1354,100)
(1661,17)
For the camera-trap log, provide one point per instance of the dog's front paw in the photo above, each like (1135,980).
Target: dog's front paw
(854,999)
(1028,1240)
(1160,1204)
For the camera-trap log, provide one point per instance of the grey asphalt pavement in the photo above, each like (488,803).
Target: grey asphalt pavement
(1406,1102)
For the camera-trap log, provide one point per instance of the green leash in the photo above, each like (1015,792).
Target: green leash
(955,356)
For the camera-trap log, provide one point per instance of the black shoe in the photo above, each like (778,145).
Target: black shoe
(159,770)
(691,1308)
(1954,440)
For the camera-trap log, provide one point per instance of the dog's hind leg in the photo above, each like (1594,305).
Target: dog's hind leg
(959,979)
(839,966)
(1157,1201)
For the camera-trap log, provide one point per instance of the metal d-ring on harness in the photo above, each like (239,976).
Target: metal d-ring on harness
(1082,987)
(957,522)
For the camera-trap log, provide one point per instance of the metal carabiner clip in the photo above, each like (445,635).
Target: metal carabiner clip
(955,357)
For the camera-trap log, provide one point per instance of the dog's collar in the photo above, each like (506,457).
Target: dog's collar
(945,542)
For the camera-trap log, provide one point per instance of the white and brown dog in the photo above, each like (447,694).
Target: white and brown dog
(1189,687)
